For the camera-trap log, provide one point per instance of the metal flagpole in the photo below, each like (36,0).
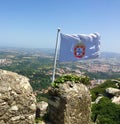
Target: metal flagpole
(55,55)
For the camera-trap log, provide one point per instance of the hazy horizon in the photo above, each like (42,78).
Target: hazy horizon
(53,49)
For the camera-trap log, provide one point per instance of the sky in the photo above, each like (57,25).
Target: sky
(34,23)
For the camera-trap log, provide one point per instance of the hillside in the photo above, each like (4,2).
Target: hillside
(37,65)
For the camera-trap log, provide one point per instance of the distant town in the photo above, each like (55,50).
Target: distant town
(5,62)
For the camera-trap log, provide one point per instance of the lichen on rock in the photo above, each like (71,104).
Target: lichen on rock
(17,100)
(70,103)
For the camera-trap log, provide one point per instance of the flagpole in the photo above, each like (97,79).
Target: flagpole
(55,55)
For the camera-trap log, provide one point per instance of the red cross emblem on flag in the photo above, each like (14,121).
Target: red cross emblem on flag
(79,51)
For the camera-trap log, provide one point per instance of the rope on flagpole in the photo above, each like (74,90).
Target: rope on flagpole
(55,55)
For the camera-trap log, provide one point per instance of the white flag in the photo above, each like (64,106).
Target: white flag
(79,47)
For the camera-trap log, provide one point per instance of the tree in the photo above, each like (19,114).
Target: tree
(106,112)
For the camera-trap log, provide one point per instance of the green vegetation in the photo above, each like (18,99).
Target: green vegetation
(73,78)
(106,112)
(100,89)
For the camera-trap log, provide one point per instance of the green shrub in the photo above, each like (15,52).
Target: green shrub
(100,89)
(106,112)
(73,78)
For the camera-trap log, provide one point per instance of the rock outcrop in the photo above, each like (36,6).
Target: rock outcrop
(113,91)
(116,99)
(115,94)
(17,101)
(70,104)
(41,109)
